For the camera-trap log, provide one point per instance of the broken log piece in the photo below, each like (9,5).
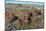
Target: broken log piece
(14,18)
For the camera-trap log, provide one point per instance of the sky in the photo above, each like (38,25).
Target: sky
(32,2)
(25,0)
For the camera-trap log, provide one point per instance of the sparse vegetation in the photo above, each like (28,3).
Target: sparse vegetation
(27,19)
